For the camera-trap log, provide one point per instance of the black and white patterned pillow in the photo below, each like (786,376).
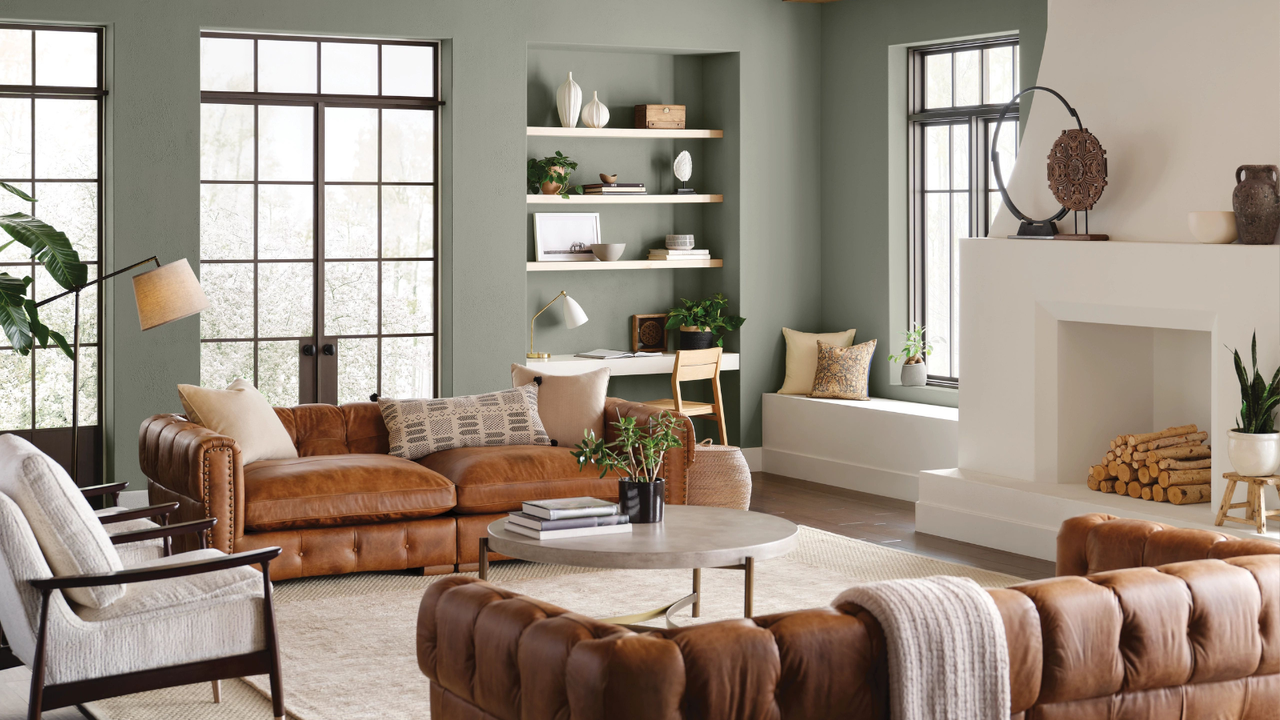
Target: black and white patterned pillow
(418,428)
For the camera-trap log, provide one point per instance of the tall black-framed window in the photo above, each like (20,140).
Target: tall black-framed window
(319,235)
(956,93)
(52,94)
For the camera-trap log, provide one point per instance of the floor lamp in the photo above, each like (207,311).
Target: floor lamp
(167,293)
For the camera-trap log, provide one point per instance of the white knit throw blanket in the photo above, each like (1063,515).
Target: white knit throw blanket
(947,653)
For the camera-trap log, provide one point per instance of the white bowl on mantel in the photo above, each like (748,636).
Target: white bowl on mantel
(1213,227)
(1254,455)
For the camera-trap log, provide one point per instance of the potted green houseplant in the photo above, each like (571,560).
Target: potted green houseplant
(915,348)
(550,175)
(1254,445)
(636,456)
(703,323)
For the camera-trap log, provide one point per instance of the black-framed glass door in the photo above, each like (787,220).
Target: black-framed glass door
(318,224)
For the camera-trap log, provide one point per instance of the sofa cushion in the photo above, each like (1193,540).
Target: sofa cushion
(335,490)
(498,479)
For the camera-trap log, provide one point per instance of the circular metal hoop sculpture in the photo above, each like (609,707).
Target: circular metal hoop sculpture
(1077,172)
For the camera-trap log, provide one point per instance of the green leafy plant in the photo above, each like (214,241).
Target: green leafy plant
(707,315)
(18,313)
(555,170)
(1258,400)
(637,452)
(915,348)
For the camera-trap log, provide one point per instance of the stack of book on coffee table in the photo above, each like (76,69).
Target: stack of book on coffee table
(567,518)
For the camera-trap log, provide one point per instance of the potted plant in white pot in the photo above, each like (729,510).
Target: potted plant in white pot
(915,348)
(1254,445)
(636,456)
(703,323)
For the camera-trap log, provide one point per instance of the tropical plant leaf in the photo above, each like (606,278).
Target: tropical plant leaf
(13,318)
(61,342)
(49,247)
(17,191)
(39,330)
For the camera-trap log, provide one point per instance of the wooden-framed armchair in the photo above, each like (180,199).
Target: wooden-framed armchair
(90,628)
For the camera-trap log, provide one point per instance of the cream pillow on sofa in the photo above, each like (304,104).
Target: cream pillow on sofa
(567,404)
(241,413)
(802,357)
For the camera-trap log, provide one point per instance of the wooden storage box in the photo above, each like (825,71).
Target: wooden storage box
(668,117)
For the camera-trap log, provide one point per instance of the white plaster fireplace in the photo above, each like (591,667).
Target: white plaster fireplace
(1064,346)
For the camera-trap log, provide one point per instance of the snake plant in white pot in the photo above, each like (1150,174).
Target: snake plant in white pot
(1254,445)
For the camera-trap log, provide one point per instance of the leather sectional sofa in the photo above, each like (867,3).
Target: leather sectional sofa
(345,505)
(1196,638)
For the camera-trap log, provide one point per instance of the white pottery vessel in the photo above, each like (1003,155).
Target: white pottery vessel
(569,102)
(1254,455)
(608,252)
(595,114)
(915,375)
(679,242)
(1212,227)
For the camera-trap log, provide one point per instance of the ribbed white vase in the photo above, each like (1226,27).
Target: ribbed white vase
(595,114)
(569,102)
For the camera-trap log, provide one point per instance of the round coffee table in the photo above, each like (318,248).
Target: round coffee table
(689,537)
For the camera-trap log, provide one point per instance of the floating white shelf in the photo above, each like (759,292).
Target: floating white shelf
(623,199)
(662,365)
(623,265)
(623,133)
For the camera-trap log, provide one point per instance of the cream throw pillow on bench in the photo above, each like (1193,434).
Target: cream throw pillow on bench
(802,357)
(241,413)
(418,428)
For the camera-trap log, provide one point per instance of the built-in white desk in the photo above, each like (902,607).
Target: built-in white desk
(571,365)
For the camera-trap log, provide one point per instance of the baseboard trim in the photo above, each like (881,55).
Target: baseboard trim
(134,498)
(755,458)
(991,531)
(860,478)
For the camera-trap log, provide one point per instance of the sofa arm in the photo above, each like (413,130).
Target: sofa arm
(675,467)
(1099,543)
(198,468)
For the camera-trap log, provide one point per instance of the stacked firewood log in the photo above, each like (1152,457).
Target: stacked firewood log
(1172,465)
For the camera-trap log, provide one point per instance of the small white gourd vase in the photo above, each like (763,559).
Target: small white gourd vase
(595,114)
(569,102)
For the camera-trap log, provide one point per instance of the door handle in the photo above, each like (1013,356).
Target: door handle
(327,349)
(309,350)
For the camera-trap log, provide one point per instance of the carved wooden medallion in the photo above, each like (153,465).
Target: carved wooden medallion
(1077,169)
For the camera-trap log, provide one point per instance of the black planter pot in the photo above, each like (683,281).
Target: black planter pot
(642,501)
(696,339)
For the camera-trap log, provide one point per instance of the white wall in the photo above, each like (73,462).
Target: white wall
(1179,92)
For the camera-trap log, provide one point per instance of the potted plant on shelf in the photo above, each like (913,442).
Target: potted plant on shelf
(704,323)
(915,348)
(636,456)
(1254,446)
(550,175)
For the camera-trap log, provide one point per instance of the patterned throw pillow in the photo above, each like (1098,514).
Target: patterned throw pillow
(843,372)
(421,427)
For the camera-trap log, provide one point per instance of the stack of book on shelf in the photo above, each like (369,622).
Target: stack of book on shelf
(614,189)
(567,518)
(665,254)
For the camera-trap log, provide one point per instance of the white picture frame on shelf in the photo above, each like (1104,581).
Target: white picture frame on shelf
(565,237)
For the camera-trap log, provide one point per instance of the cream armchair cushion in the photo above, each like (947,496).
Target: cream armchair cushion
(71,537)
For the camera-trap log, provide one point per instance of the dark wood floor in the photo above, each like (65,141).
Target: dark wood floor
(880,520)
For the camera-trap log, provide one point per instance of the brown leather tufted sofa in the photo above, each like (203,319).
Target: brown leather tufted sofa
(1098,542)
(1185,641)
(345,505)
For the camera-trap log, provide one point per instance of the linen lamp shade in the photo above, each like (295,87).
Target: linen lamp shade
(573,313)
(170,292)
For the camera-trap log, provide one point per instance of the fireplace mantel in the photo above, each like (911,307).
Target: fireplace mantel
(1029,312)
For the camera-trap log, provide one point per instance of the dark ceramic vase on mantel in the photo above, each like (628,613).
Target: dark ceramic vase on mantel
(642,501)
(1256,202)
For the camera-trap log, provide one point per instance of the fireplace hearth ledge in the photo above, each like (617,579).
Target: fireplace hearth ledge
(1023,517)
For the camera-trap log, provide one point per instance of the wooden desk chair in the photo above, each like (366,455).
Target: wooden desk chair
(696,365)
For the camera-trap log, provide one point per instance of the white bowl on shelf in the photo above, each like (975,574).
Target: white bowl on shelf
(1213,227)
(608,252)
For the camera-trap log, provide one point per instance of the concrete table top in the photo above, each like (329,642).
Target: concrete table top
(689,537)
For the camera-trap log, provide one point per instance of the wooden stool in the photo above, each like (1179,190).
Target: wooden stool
(1255,505)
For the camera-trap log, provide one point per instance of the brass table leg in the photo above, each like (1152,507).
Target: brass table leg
(484,558)
(697,592)
(750,567)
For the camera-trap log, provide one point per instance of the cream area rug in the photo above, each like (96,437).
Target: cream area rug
(347,642)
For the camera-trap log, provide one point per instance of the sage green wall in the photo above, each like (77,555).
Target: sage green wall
(769,64)
(864,181)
